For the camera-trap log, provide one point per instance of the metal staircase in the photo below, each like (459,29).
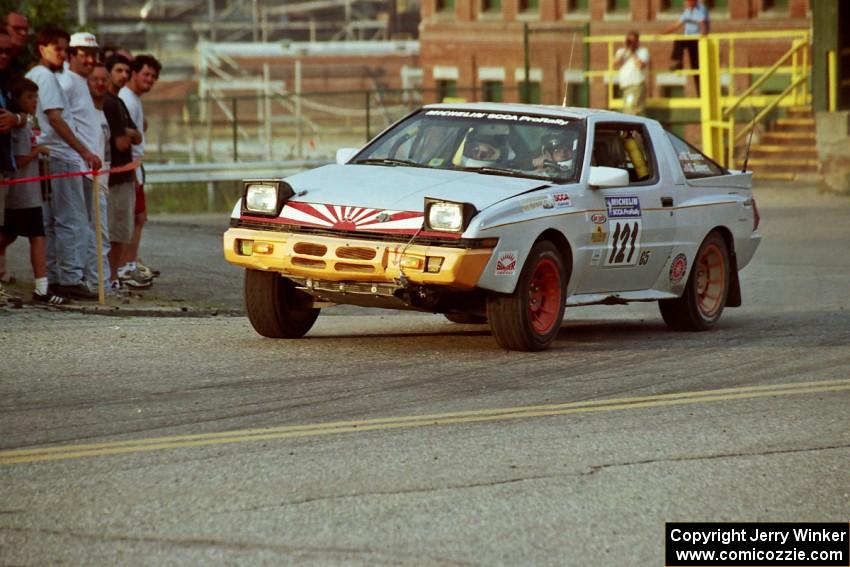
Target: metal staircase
(787,151)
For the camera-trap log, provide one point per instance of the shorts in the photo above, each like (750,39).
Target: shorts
(122,210)
(24,222)
(140,206)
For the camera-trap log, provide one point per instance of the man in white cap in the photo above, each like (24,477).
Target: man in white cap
(82,56)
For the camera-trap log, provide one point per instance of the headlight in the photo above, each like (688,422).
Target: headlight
(447,216)
(261,197)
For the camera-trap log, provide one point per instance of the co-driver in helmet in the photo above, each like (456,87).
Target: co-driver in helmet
(556,153)
(487,146)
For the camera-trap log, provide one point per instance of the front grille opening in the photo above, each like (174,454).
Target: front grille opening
(356,253)
(310,249)
(308,262)
(358,268)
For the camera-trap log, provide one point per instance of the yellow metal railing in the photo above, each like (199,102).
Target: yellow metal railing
(718,52)
(799,82)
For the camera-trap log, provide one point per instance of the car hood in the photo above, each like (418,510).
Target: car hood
(402,188)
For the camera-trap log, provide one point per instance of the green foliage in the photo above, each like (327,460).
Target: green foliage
(192,197)
(41,14)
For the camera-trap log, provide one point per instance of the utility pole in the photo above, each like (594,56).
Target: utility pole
(211,5)
(525,96)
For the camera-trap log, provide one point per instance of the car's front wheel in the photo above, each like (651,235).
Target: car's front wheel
(529,319)
(275,308)
(702,303)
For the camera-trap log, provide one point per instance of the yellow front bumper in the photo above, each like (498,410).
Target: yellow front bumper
(341,259)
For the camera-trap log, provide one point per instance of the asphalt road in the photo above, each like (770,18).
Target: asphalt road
(403,439)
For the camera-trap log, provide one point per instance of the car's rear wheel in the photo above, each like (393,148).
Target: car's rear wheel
(529,319)
(466,318)
(702,303)
(275,308)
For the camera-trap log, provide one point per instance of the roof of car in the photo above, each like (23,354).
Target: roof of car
(573,112)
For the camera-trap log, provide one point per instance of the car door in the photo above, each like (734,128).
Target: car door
(631,228)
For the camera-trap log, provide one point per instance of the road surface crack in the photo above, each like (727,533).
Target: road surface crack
(394,493)
(597,468)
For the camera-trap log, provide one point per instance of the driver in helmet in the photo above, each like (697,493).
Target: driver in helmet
(556,153)
(486,146)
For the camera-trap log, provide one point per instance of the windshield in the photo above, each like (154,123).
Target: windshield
(516,145)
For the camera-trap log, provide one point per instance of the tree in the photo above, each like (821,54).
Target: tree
(41,14)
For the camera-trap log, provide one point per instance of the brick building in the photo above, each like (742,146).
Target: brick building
(474,49)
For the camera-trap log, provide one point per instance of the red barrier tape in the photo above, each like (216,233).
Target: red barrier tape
(92,172)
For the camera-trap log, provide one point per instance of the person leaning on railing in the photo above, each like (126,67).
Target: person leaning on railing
(67,216)
(693,21)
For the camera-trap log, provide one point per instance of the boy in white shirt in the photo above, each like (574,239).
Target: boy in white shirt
(66,217)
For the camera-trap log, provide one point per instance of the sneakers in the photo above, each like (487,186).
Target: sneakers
(147,272)
(135,279)
(7,298)
(77,291)
(49,299)
(117,289)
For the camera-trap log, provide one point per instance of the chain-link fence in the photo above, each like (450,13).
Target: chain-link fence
(291,126)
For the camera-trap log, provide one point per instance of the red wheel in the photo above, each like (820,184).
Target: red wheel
(530,318)
(705,293)
(545,299)
(711,280)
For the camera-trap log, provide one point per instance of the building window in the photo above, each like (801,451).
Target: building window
(774,5)
(576,94)
(529,5)
(445,5)
(490,6)
(491,91)
(679,5)
(534,92)
(576,6)
(446,89)
(617,6)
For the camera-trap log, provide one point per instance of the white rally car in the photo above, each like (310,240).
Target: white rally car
(499,213)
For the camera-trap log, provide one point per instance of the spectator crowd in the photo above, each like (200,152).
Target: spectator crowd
(72,142)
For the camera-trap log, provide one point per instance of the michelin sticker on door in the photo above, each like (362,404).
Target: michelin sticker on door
(624,217)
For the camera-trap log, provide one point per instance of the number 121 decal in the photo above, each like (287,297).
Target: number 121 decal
(623,243)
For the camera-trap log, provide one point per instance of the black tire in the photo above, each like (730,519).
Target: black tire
(466,318)
(529,319)
(275,308)
(706,290)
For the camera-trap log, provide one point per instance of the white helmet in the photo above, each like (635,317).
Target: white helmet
(485,145)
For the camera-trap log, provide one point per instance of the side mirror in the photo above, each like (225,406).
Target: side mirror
(345,154)
(608,177)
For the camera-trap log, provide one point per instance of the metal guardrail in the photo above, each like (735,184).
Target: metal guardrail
(234,171)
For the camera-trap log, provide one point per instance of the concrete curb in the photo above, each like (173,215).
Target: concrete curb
(134,309)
